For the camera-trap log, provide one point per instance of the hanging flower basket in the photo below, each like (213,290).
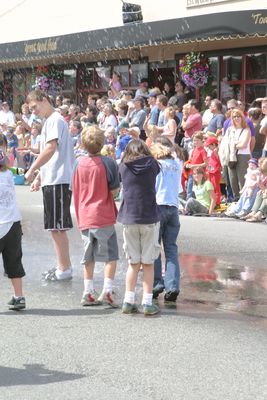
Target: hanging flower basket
(194,69)
(48,79)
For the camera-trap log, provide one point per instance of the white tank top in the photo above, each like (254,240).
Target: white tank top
(9,212)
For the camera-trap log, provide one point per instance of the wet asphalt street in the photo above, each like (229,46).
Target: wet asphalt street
(211,345)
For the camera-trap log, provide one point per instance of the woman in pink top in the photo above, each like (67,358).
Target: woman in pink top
(170,128)
(115,84)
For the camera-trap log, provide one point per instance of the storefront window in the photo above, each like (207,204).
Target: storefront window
(69,80)
(124,71)
(255,66)
(230,92)
(138,71)
(253,91)
(102,77)
(232,68)
(210,88)
(19,90)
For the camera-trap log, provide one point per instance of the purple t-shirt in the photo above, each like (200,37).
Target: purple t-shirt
(228,123)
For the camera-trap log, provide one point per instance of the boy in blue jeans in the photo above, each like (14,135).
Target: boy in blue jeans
(95,182)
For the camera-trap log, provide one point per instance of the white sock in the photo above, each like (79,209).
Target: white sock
(147,299)
(88,285)
(63,274)
(129,297)
(108,284)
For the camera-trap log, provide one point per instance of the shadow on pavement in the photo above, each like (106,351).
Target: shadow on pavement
(33,374)
(62,313)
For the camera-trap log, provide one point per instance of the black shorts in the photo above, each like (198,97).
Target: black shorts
(10,247)
(57,199)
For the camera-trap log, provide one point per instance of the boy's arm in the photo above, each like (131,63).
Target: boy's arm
(112,172)
(43,158)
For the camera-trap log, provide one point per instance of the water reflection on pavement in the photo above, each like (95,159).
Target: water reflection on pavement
(212,282)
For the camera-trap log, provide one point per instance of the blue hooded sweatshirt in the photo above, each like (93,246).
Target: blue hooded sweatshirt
(139,194)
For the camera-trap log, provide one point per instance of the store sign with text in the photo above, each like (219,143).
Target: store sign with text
(198,3)
(45,46)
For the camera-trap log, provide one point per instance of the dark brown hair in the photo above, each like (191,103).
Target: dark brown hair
(135,149)
(200,170)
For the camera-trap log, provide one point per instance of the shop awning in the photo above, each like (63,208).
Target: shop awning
(210,27)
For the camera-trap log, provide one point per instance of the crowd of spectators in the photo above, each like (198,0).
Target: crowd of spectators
(217,143)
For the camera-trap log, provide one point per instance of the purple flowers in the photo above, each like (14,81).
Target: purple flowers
(195,69)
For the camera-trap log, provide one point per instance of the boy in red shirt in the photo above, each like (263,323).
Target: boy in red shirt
(197,158)
(214,166)
(95,182)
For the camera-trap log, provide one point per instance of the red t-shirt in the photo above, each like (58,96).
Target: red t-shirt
(198,155)
(93,180)
(214,164)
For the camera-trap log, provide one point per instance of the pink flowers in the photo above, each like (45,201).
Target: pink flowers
(195,69)
(48,79)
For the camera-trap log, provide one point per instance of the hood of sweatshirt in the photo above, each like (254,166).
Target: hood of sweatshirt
(140,166)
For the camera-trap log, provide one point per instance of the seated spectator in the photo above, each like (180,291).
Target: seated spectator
(248,192)
(204,201)
(259,209)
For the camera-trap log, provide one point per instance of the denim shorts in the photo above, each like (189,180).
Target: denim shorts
(100,244)
(141,243)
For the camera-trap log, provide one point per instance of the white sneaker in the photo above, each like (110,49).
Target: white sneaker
(110,298)
(58,275)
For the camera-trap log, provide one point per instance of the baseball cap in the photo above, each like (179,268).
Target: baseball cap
(211,140)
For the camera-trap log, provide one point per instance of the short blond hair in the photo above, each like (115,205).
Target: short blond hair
(109,151)
(93,139)
(198,135)
(159,151)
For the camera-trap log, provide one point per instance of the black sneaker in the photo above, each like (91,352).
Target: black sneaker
(17,304)
(157,290)
(171,295)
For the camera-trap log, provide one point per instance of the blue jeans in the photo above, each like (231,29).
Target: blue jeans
(168,233)
(189,190)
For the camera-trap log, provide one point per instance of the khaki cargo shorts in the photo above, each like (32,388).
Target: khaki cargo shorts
(141,243)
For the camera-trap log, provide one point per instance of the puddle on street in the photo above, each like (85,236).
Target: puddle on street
(213,283)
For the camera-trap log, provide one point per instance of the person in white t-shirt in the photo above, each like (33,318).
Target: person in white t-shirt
(7,117)
(10,230)
(207,114)
(55,162)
